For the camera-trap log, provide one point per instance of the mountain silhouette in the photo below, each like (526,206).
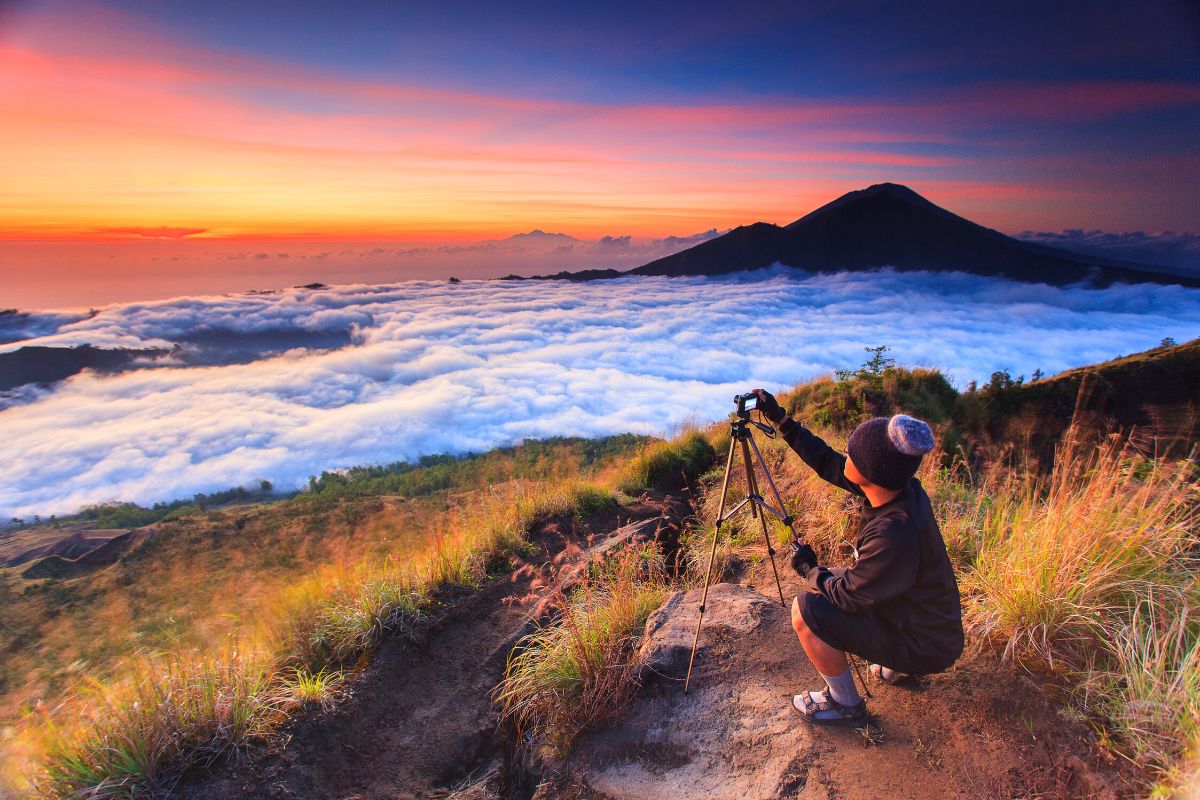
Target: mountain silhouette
(46,365)
(889,225)
(539,235)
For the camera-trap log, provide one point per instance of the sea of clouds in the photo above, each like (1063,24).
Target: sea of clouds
(438,367)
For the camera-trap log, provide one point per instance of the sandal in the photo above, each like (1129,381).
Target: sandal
(891,677)
(822,709)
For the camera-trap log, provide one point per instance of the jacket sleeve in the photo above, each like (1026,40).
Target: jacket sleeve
(888,558)
(828,463)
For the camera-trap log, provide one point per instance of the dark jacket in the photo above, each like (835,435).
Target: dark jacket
(902,573)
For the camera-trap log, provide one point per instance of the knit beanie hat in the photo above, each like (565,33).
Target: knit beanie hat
(888,451)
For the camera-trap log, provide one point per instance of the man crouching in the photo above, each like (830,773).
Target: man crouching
(897,606)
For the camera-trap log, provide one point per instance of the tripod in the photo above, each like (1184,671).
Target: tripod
(741,438)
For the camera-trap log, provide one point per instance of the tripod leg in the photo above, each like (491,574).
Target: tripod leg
(711,556)
(751,483)
(762,516)
(774,492)
(771,555)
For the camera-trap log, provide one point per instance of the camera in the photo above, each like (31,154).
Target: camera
(745,404)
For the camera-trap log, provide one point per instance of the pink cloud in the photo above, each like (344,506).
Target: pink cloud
(1077,101)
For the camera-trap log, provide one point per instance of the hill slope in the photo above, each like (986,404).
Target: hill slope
(420,718)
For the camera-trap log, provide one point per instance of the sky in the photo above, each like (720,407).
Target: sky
(146,130)
(285,385)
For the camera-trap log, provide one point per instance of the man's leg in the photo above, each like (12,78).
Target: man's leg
(830,663)
(825,657)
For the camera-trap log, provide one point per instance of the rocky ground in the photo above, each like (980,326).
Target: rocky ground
(420,722)
(964,734)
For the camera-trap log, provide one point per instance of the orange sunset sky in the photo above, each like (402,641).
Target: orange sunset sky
(208,132)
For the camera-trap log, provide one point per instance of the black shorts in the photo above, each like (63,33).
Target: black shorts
(865,635)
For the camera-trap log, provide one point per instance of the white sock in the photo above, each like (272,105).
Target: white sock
(842,688)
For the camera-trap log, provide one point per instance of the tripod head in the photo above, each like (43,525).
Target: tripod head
(744,404)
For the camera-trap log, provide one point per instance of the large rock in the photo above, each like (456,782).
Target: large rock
(734,734)
(730,611)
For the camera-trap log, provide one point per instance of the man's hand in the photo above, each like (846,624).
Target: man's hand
(804,558)
(768,405)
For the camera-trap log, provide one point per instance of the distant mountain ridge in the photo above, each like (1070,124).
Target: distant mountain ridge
(539,235)
(889,225)
(46,365)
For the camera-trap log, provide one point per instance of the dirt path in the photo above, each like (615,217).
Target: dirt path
(420,716)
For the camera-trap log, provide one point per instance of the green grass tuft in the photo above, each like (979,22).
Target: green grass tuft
(139,737)
(590,500)
(322,688)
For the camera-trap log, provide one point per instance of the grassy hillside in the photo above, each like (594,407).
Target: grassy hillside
(223,620)
(307,582)
(1086,576)
(1153,397)
(1082,567)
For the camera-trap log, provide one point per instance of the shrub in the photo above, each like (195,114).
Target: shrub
(686,457)
(857,396)
(589,500)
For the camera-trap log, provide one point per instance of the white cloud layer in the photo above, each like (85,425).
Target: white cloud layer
(436,367)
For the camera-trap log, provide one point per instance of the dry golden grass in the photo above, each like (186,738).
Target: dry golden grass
(137,731)
(1058,559)
(676,459)
(305,590)
(579,669)
(1089,573)
(137,736)
(1092,574)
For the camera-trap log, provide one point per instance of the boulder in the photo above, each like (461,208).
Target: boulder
(731,611)
(734,735)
